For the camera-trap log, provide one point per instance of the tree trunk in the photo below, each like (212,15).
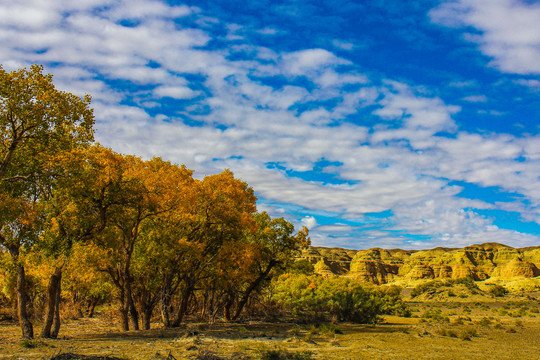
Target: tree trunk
(22,298)
(252,287)
(52,292)
(123,310)
(133,313)
(56,325)
(186,294)
(92,306)
(227,307)
(147,317)
(165,314)
(165,301)
(124,316)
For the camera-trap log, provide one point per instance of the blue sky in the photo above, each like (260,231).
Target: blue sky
(383,123)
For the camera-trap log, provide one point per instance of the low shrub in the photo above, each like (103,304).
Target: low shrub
(484,322)
(330,329)
(498,291)
(285,355)
(433,286)
(447,332)
(467,334)
(460,320)
(435,314)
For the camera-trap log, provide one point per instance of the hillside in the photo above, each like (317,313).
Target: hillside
(491,262)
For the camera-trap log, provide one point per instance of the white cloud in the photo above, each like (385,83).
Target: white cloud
(140,9)
(309,221)
(175,92)
(343,45)
(509,31)
(269,31)
(305,61)
(476,98)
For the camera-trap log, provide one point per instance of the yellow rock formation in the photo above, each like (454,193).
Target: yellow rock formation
(381,266)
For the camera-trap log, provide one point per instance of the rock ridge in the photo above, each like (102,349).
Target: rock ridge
(382,266)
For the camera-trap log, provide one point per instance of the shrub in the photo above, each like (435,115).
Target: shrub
(285,355)
(435,314)
(498,291)
(392,303)
(447,332)
(467,281)
(427,287)
(432,286)
(317,298)
(330,329)
(484,322)
(295,331)
(467,334)
(460,320)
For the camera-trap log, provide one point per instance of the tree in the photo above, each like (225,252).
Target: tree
(223,210)
(131,193)
(77,208)
(276,247)
(37,122)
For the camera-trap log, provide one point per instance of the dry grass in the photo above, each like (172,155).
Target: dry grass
(477,330)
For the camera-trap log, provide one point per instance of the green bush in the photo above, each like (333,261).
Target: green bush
(435,314)
(498,291)
(392,304)
(330,329)
(316,298)
(432,286)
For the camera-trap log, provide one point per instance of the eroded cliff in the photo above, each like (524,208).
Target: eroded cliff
(381,266)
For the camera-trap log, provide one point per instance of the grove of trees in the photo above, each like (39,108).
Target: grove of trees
(83,226)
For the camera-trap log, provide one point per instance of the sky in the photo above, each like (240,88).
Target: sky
(394,124)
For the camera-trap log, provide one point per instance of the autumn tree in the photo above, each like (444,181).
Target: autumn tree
(137,192)
(275,245)
(37,122)
(77,209)
(223,209)
(149,225)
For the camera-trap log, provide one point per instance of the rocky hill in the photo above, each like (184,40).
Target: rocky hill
(381,266)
